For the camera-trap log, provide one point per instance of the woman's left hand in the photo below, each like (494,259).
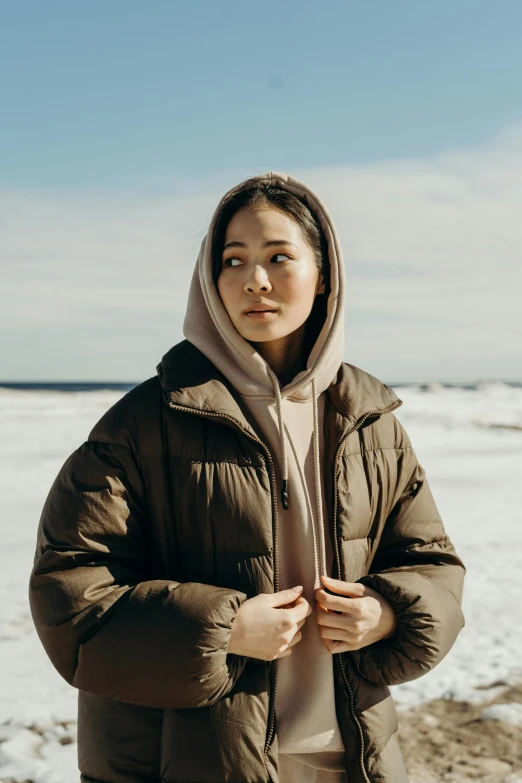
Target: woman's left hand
(366,615)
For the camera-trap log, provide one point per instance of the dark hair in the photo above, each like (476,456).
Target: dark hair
(262,194)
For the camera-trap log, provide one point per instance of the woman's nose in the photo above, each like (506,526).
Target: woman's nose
(257,280)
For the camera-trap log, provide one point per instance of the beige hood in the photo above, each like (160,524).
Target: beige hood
(208,326)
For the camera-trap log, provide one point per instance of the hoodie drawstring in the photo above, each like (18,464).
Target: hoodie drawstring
(318,488)
(317,519)
(279,406)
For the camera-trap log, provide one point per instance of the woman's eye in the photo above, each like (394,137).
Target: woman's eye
(229,262)
(237,261)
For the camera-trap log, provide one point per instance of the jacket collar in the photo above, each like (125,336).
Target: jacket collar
(188,379)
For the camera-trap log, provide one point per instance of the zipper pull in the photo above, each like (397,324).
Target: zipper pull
(284,494)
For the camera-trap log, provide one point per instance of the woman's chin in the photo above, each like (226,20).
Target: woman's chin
(261,334)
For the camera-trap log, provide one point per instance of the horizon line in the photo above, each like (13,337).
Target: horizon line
(114,385)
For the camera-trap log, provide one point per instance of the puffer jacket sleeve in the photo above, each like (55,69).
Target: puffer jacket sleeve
(107,627)
(417,569)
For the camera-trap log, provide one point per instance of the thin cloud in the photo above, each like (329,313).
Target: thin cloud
(432,250)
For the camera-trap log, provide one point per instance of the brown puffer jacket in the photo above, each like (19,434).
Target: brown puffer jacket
(164,521)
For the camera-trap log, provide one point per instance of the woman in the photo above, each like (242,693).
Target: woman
(183,571)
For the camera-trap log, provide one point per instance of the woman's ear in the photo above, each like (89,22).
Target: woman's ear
(320,287)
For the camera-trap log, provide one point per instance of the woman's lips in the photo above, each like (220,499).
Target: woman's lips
(259,315)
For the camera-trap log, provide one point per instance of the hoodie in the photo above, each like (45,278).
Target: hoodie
(290,421)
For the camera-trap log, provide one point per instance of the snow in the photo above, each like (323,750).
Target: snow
(474,469)
(505,713)
(470,444)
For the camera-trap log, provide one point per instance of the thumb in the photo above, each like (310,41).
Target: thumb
(353,589)
(286,596)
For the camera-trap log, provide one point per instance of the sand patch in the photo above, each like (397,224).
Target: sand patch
(446,740)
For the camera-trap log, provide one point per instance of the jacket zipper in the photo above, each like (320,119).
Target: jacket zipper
(273,483)
(356,427)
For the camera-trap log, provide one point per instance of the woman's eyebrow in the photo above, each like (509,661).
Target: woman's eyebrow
(270,243)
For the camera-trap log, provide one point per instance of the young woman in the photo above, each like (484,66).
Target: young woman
(245,552)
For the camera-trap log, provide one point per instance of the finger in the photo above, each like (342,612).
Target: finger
(309,610)
(297,638)
(283,597)
(344,634)
(333,619)
(352,589)
(338,603)
(301,610)
(297,602)
(340,646)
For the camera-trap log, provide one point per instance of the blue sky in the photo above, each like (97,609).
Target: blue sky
(105,104)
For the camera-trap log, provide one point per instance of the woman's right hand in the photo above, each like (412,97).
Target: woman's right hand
(267,625)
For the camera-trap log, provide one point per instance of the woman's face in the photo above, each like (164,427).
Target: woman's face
(269,277)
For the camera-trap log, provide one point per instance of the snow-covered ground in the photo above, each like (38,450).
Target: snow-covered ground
(469,442)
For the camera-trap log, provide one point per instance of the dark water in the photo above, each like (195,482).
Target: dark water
(67,386)
(88,386)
